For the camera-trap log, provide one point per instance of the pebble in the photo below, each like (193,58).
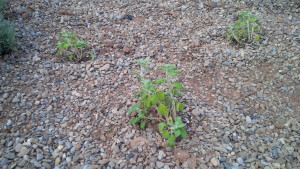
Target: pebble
(16,100)
(214,161)
(240,160)
(23,151)
(248,120)
(159,164)
(3,162)
(57,161)
(68,159)
(39,156)
(9,123)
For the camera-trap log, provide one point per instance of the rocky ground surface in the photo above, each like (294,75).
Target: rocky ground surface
(242,103)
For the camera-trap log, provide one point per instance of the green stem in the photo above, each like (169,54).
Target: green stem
(170,88)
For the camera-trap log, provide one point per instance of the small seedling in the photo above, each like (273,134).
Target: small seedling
(70,46)
(159,96)
(245,29)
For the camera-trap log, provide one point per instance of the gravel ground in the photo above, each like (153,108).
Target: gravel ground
(242,103)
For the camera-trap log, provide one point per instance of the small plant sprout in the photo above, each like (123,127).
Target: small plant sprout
(70,46)
(158,101)
(245,29)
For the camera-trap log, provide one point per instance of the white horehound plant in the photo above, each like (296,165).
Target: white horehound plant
(71,47)
(160,95)
(245,29)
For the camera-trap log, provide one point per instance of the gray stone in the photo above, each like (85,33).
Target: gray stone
(116,149)
(23,151)
(18,147)
(46,165)
(220,149)
(105,67)
(240,160)
(68,159)
(161,155)
(248,120)
(166,167)
(16,100)
(214,161)
(159,164)
(39,156)
(87,166)
(4,161)
(37,164)
(9,123)
(22,162)
(10,156)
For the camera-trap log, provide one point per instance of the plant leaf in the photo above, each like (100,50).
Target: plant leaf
(256,38)
(176,132)
(159,81)
(179,106)
(162,109)
(171,141)
(135,107)
(160,95)
(154,99)
(80,44)
(143,124)
(141,115)
(135,120)
(161,126)
(178,85)
(183,133)
(165,134)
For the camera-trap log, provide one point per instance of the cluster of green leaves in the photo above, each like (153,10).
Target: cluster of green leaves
(165,103)
(7,34)
(245,29)
(71,47)
(2,4)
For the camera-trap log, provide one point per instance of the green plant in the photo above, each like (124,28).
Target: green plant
(245,29)
(2,4)
(7,35)
(157,101)
(70,46)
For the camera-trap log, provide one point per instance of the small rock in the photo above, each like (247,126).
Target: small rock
(105,67)
(46,165)
(16,100)
(159,164)
(220,149)
(39,156)
(126,50)
(130,155)
(23,151)
(68,159)
(248,120)
(240,160)
(57,161)
(18,147)
(22,163)
(103,162)
(37,164)
(214,161)
(275,152)
(276,165)
(60,147)
(9,123)
(3,162)
(196,112)
(226,165)
(161,155)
